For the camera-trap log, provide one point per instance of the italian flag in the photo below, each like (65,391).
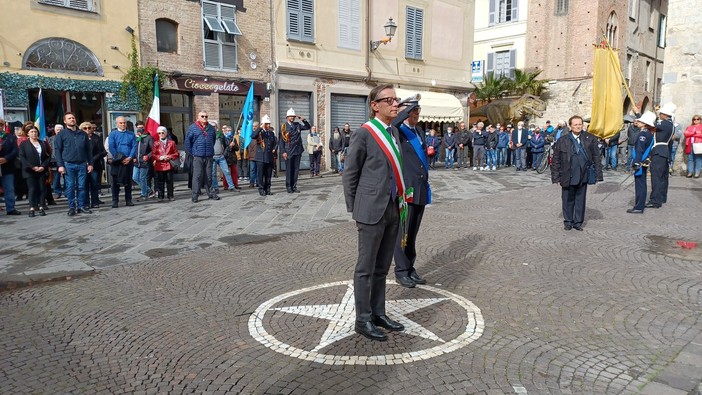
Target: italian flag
(154,120)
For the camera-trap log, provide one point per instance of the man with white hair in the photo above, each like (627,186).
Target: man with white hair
(290,140)
(660,155)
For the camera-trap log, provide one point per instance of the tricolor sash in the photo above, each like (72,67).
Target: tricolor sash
(384,140)
(417,145)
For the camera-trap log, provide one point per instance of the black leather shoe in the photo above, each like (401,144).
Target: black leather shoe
(568,227)
(652,205)
(195,200)
(31,213)
(115,205)
(291,191)
(634,211)
(369,330)
(262,193)
(405,281)
(269,193)
(51,203)
(215,197)
(71,212)
(42,212)
(417,278)
(580,228)
(14,212)
(384,322)
(94,206)
(296,190)
(129,203)
(85,210)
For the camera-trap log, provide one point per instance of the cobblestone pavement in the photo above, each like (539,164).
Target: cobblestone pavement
(250,301)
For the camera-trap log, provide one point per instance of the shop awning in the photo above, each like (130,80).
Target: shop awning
(436,107)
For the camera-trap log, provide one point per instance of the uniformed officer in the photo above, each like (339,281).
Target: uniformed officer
(659,157)
(642,151)
(415,172)
(265,141)
(291,147)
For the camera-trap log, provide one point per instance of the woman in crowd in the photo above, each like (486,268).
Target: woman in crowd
(20,185)
(314,149)
(537,141)
(163,152)
(693,135)
(35,156)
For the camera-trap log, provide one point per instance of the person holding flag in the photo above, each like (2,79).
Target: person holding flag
(374,191)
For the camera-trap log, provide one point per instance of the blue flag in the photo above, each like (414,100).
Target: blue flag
(248,115)
(40,118)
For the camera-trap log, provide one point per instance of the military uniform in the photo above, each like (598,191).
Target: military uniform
(291,144)
(265,149)
(659,164)
(642,151)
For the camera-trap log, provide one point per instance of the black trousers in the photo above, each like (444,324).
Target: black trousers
(573,198)
(164,179)
(659,180)
(640,188)
(264,171)
(202,176)
(376,244)
(405,257)
(292,170)
(36,189)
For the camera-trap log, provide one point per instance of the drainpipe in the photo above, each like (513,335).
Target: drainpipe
(368,78)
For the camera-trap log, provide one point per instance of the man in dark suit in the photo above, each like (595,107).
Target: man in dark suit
(572,155)
(372,191)
(660,155)
(415,172)
(291,147)
(520,136)
(265,141)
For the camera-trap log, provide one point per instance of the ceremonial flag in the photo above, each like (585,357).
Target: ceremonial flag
(607,99)
(40,118)
(248,114)
(154,119)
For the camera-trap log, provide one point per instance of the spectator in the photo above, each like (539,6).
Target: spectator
(35,157)
(520,137)
(164,151)
(346,133)
(435,142)
(231,157)
(123,149)
(141,161)
(56,184)
(612,147)
(8,154)
(693,135)
(538,141)
(502,144)
(463,141)
(242,156)
(450,147)
(478,147)
(199,143)
(336,146)
(94,178)
(75,159)
(220,159)
(314,150)
(491,140)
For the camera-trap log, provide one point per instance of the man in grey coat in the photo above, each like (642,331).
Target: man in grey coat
(371,190)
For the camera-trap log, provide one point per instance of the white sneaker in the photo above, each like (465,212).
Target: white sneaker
(494,168)
(484,168)
(475,168)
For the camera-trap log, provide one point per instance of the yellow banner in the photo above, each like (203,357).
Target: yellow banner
(607,100)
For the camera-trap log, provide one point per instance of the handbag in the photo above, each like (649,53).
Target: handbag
(431,151)
(591,169)
(697,148)
(175,163)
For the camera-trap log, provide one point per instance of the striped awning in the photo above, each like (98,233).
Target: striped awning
(436,107)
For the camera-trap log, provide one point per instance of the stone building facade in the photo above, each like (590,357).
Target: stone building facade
(211,51)
(682,72)
(560,40)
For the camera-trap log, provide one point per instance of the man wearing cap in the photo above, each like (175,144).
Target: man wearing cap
(415,171)
(372,194)
(659,157)
(265,142)
(642,151)
(199,143)
(291,147)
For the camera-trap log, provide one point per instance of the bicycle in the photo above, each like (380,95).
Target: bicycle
(546,160)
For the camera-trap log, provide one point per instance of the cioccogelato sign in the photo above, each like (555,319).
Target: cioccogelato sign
(210,85)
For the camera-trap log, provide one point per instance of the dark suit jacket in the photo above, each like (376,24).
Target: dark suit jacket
(265,143)
(563,153)
(30,157)
(367,179)
(413,170)
(523,141)
(294,130)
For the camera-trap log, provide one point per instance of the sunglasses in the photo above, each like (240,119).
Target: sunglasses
(696,119)
(203,116)
(388,100)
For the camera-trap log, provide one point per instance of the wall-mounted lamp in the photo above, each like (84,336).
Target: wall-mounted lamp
(94,98)
(6,63)
(114,47)
(115,66)
(390,28)
(84,98)
(129,30)
(73,96)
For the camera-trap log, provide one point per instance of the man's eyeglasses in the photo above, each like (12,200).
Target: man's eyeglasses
(388,100)
(203,116)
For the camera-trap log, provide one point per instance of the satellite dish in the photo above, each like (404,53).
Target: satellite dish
(252,55)
(253,65)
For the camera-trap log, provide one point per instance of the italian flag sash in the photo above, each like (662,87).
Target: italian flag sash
(384,140)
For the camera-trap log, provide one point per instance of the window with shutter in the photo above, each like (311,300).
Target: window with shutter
(502,11)
(300,20)
(349,23)
(561,7)
(83,5)
(219,36)
(490,67)
(415,22)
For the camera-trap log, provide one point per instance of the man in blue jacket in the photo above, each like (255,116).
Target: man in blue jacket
(199,143)
(123,148)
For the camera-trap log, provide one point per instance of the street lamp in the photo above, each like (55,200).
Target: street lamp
(390,28)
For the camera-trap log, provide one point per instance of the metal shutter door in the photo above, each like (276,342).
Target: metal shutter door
(302,104)
(347,109)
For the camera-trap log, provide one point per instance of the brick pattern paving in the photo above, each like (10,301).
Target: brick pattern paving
(601,311)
